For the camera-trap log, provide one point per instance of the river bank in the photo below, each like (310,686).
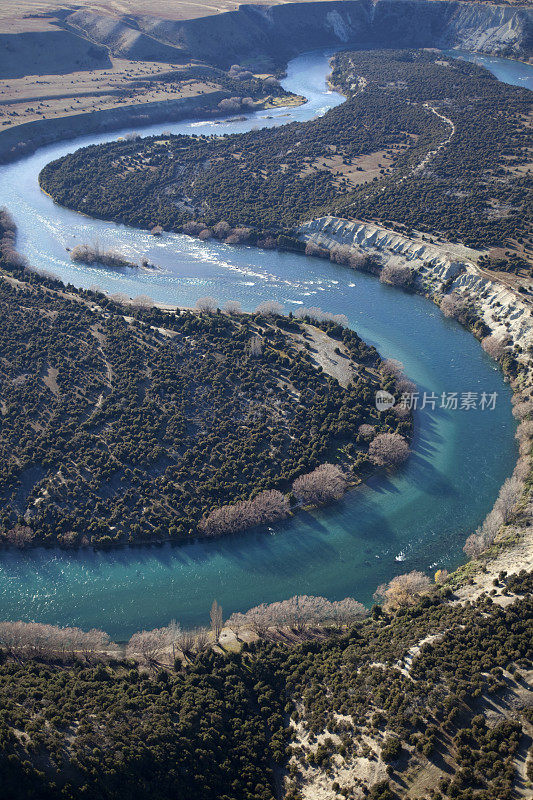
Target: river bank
(450,270)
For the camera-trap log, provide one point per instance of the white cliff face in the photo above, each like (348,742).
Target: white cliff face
(488,29)
(438,270)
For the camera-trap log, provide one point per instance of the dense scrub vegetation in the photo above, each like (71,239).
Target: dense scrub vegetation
(132,424)
(401,104)
(223,725)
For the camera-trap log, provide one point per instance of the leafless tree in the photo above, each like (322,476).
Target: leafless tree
(299,612)
(157,230)
(389,449)
(269,308)
(494,347)
(391,368)
(119,298)
(268,506)
(397,275)
(403,590)
(221,229)
(230,104)
(31,639)
(256,345)
(508,497)
(316,250)
(193,227)
(485,535)
(441,576)
(204,234)
(216,619)
(453,305)
(340,254)
(150,644)
(522,409)
(206,305)
(318,315)
(19,535)
(268,243)
(366,430)
(238,235)
(95,254)
(143,301)
(325,484)
(233,307)
(201,639)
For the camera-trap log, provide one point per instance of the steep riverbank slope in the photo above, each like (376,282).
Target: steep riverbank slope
(282,31)
(437,271)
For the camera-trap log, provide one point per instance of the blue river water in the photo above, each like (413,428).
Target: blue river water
(416,519)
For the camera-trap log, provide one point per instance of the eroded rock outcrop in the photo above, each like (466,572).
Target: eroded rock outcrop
(438,269)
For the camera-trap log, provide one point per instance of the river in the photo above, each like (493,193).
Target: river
(417,519)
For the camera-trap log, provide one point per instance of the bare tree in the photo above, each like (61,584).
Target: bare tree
(397,275)
(206,305)
(150,644)
(299,612)
(391,368)
(340,254)
(508,497)
(325,484)
(389,449)
(201,639)
(19,535)
(269,308)
(238,235)
(256,346)
(316,250)
(494,347)
(267,243)
(453,305)
(186,641)
(216,619)
(268,506)
(31,639)
(486,534)
(143,301)
(221,229)
(193,227)
(403,589)
(230,104)
(233,307)
(367,431)
(318,315)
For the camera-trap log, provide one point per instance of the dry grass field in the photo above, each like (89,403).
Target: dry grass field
(130,83)
(18,11)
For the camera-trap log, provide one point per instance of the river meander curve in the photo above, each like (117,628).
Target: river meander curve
(417,519)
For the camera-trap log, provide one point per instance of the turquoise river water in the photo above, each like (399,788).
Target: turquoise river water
(417,519)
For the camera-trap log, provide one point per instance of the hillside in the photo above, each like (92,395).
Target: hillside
(428,698)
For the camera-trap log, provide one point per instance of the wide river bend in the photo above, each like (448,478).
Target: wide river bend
(418,519)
